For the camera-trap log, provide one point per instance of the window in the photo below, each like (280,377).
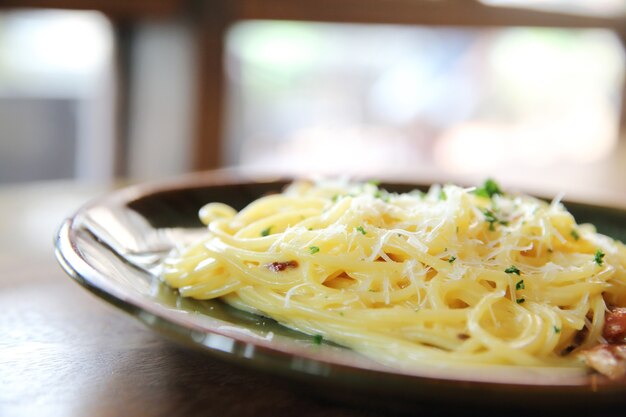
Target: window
(56,95)
(339,98)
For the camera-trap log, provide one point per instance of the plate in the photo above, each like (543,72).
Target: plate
(113,245)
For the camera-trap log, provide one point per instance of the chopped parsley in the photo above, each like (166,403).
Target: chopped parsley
(382,194)
(520,285)
(489,189)
(375,183)
(317,339)
(314,249)
(442,195)
(520,300)
(512,270)
(362,230)
(452,259)
(598,257)
(266,232)
(574,234)
(334,198)
(557,329)
(490,218)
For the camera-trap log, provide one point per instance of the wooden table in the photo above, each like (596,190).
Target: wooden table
(64,352)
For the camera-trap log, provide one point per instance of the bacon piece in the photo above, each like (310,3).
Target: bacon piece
(615,325)
(281,266)
(609,360)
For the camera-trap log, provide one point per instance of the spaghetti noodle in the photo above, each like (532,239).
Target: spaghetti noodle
(453,276)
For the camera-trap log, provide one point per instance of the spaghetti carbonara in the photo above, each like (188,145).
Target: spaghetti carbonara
(453,276)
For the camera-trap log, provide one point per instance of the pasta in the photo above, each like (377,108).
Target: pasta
(453,276)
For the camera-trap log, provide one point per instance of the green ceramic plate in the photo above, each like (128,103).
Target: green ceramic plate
(112,245)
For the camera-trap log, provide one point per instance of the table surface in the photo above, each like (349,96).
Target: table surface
(64,352)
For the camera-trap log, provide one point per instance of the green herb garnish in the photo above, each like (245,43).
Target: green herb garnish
(362,230)
(442,195)
(266,232)
(599,256)
(520,285)
(452,259)
(574,234)
(313,249)
(557,329)
(382,194)
(490,218)
(489,189)
(317,339)
(512,270)
(520,300)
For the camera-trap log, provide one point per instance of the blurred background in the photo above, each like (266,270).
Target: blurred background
(529,92)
